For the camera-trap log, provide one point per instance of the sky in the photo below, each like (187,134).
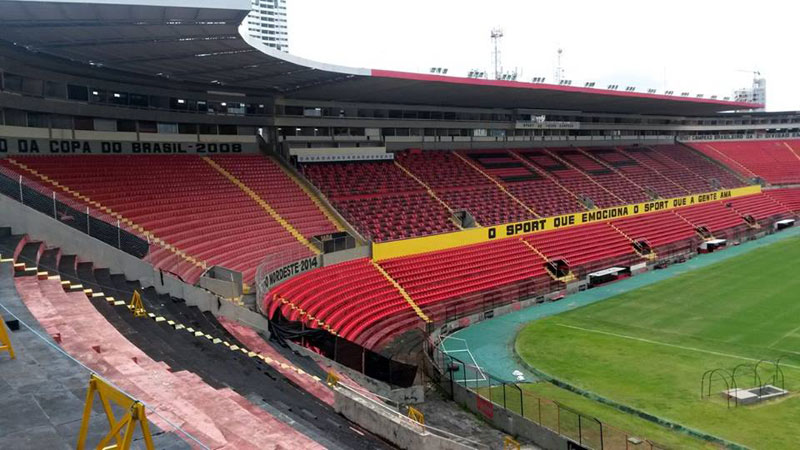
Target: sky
(701,46)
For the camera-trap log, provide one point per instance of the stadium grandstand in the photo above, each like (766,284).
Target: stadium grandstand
(242,248)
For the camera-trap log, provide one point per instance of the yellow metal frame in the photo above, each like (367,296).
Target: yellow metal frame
(126,425)
(416,415)
(332,379)
(136,305)
(510,444)
(5,341)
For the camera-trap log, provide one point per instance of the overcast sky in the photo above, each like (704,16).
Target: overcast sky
(698,46)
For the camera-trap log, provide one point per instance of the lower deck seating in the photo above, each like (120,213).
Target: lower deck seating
(431,278)
(588,245)
(361,305)
(657,229)
(714,216)
(346,298)
(787,197)
(759,206)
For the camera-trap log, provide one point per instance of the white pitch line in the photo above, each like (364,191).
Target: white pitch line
(633,338)
(785,336)
(476,368)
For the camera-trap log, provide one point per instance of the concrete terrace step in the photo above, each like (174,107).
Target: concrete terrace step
(169,346)
(86,335)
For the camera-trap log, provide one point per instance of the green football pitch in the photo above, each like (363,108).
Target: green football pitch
(648,348)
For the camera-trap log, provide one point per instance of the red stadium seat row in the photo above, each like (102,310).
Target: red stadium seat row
(548,182)
(358,303)
(190,205)
(759,206)
(639,174)
(775,161)
(714,216)
(695,162)
(348,297)
(789,198)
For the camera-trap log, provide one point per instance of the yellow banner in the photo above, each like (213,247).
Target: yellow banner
(413,246)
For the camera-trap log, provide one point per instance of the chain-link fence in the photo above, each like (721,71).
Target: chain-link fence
(72,213)
(489,392)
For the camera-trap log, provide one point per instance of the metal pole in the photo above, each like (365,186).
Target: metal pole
(580,432)
(20,190)
(88,231)
(119,236)
(452,385)
(558,418)
(602,442)
(55,213)
(540,409)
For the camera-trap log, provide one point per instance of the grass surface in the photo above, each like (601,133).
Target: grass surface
(540,404)
(649,348)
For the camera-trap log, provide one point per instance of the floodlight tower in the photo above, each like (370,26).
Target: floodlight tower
(497,35)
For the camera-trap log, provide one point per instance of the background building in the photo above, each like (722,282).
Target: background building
(755,94)
(267,21)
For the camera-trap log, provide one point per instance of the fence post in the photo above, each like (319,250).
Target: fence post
(88,231)
(119,236)
(504,396)
(558,418)
(450,375)
(580,431)
(20,190)
(539,399)
(55,212)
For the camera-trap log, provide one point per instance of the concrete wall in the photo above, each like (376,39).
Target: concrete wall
(38,226)
(390,426)
(363,251)
(511,423)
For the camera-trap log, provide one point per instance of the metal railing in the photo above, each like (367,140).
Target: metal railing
(72,213)
(400,413)
(737,137)
(490,392)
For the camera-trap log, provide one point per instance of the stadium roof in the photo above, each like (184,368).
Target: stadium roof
(178,40)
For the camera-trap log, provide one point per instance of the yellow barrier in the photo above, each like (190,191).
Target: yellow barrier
(5,341)
(416,415)
(134,415)
(333,378)
(510,443)
(408,247)
(136,306)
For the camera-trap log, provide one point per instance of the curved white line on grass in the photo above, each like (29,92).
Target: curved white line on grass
(789,334)
(682,347)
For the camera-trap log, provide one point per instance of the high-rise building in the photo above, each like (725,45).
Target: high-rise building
(267,22)
(756,94)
